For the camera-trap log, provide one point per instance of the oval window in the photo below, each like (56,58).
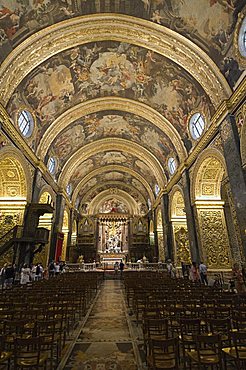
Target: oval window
(52,165)
(197,125)
(172,165)
(242,39)
(25,123)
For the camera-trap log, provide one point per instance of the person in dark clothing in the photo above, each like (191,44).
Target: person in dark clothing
(122,265)
(9,276)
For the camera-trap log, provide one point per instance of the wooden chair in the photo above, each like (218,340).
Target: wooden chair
(189,329)
(164,354)
(5,356)
(28,354)
(207,353)
(237,352)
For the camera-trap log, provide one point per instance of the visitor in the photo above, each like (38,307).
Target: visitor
(122,265)
(57,268)
(2,274)
(203,273)
(9,275)
(51,269)
(25,274)
(238,278)
(194,273)
(39,271)
(116,268)
(169,268)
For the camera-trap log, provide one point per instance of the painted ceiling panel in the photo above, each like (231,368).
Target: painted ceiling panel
(113,158)
(208,23)
(111,124)
(110,69)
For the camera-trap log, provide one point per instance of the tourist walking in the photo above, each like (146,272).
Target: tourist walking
(194,273)
(238,278)
(203,273)
(25,274)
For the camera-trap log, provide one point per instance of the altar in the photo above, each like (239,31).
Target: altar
(108,259)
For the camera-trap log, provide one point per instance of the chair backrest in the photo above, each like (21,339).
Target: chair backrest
(239,341)
(211,343)
(27,349)
(165,353)
(191,327)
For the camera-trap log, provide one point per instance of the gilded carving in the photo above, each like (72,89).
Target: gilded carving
(182,244)
(214,238)
(208,189)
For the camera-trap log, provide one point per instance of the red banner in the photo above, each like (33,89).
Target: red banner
(59,243)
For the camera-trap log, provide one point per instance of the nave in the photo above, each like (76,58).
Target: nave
(141,320)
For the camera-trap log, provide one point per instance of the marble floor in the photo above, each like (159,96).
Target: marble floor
(106,339)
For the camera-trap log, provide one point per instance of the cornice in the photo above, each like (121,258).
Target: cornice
(114,144)
(112,103)
(85,29)
(110,168)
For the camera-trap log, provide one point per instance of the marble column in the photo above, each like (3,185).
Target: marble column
(231,147)
(190,217)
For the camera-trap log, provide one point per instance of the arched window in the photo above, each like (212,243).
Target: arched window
(196,125)
(172,165)
(25,123)
(52,165)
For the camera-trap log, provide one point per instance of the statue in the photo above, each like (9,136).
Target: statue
(81,259)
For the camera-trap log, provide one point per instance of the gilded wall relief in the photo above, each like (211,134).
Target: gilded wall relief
(111,124)
(110,69)
(209,24)
(182,245)
(214,238)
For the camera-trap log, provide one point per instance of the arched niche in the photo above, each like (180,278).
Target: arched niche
(46,196)
(181,245)
(209,210)
(15,185)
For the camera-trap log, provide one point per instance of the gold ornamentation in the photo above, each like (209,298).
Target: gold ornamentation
(208,189)
(85,29)
(182,244)
(214,238)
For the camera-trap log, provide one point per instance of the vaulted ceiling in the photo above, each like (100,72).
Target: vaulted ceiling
(112,84)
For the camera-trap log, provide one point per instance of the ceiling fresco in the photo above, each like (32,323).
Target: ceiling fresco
(111,124)
(110,69)
(138,193)
(113,158)
(208,23)
(113,205)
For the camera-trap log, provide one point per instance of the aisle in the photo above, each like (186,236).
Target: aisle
(106,340)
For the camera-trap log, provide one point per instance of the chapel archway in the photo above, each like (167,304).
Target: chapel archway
(209,210)
(179,228)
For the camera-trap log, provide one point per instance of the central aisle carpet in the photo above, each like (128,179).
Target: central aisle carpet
(105,342)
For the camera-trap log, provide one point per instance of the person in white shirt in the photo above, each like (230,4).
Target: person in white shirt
(203,273)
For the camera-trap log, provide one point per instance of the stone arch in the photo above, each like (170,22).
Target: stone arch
(14,161)
(209,209)
(181,245)
(47,195)
(15,189)
(209,170)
